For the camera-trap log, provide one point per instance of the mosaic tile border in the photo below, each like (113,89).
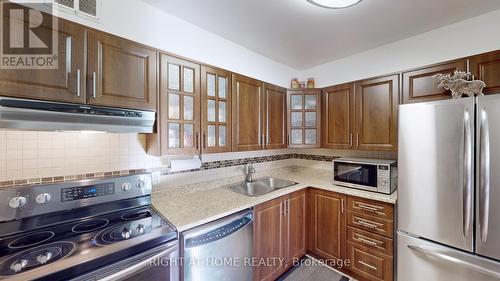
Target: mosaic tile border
(164,171)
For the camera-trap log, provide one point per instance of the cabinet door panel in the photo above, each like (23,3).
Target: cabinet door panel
(303,118)
(338,119)
(376,113)
(269,238)
(486,67)
(62,84)
(327,228)
(121,73)
(419,85)
(179,108)
(275,120)
(296,215)
(216,109)
(248,132)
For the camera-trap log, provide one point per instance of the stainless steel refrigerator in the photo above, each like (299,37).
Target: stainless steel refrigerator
(449,190)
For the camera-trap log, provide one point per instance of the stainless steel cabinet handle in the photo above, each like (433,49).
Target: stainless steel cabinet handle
(350,139)
(366,224)
(357,139)
(367,265)
(94,85)
(449,257)
(366,241)
(342,205)
(78,82)
(468,178)
(367,207)
(484,175)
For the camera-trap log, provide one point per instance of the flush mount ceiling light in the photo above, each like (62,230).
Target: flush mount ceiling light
(334,4)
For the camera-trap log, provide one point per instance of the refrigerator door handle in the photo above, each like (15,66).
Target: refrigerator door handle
(468,177)
(484,175)
(449,257)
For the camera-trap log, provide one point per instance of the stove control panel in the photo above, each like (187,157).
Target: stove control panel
(31,200)
(84,192)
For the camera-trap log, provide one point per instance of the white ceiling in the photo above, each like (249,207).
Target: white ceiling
(301,35)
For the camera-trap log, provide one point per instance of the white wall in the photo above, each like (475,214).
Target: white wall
(473,36)
(141,22)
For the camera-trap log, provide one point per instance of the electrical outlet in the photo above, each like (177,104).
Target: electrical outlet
(156,177)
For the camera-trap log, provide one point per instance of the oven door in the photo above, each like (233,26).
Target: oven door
(357,175)
(160,263)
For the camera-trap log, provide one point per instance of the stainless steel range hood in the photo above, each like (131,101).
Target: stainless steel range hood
(53,116)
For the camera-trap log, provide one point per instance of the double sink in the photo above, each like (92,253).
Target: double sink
(261,186)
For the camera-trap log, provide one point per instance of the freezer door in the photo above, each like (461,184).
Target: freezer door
(435,171)
(418,260)
(488,177)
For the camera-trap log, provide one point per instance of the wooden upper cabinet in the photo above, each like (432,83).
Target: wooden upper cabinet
(215,110)
(338,116)
(248,104)
(66,83)
(304,118)
(269,238)
(486,67)
(275,116)
(419,85)
(326,224)
(179,108)
(121,73)
(376,113)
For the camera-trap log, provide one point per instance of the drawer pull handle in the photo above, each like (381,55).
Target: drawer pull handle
(367,265)
(366,241)
(366,224)
(369,208)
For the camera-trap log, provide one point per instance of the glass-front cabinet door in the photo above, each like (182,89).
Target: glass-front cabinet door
(179,106)
(215,110)
(303,118)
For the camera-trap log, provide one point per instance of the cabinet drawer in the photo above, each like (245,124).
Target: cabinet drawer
(369,266)
(370,207)
(370,241)
(371,224)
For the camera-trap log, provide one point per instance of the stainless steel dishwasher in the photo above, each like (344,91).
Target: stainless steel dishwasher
(220,250)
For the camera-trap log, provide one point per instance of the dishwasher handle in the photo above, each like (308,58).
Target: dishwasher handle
(220,232)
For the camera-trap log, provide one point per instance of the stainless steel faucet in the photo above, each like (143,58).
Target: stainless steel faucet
(250,172)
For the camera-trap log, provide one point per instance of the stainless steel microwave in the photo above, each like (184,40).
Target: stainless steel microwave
(369,174)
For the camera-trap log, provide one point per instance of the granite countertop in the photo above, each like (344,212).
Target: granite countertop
(192,205)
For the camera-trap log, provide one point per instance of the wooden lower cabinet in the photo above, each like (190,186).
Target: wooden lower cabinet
(326,224)
(368,265)
(352,234)
(279,234)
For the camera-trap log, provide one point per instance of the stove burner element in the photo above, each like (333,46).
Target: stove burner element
(35,257)
(136,215)
(89,226)
(31,240)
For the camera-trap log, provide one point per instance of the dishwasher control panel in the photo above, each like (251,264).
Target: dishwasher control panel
(218,233)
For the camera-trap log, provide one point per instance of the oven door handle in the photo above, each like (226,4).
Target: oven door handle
(137,267)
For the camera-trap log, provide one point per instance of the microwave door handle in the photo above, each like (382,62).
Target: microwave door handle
(468,177)
(484,175)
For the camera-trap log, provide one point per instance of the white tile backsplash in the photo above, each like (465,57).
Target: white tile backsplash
(27,154)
